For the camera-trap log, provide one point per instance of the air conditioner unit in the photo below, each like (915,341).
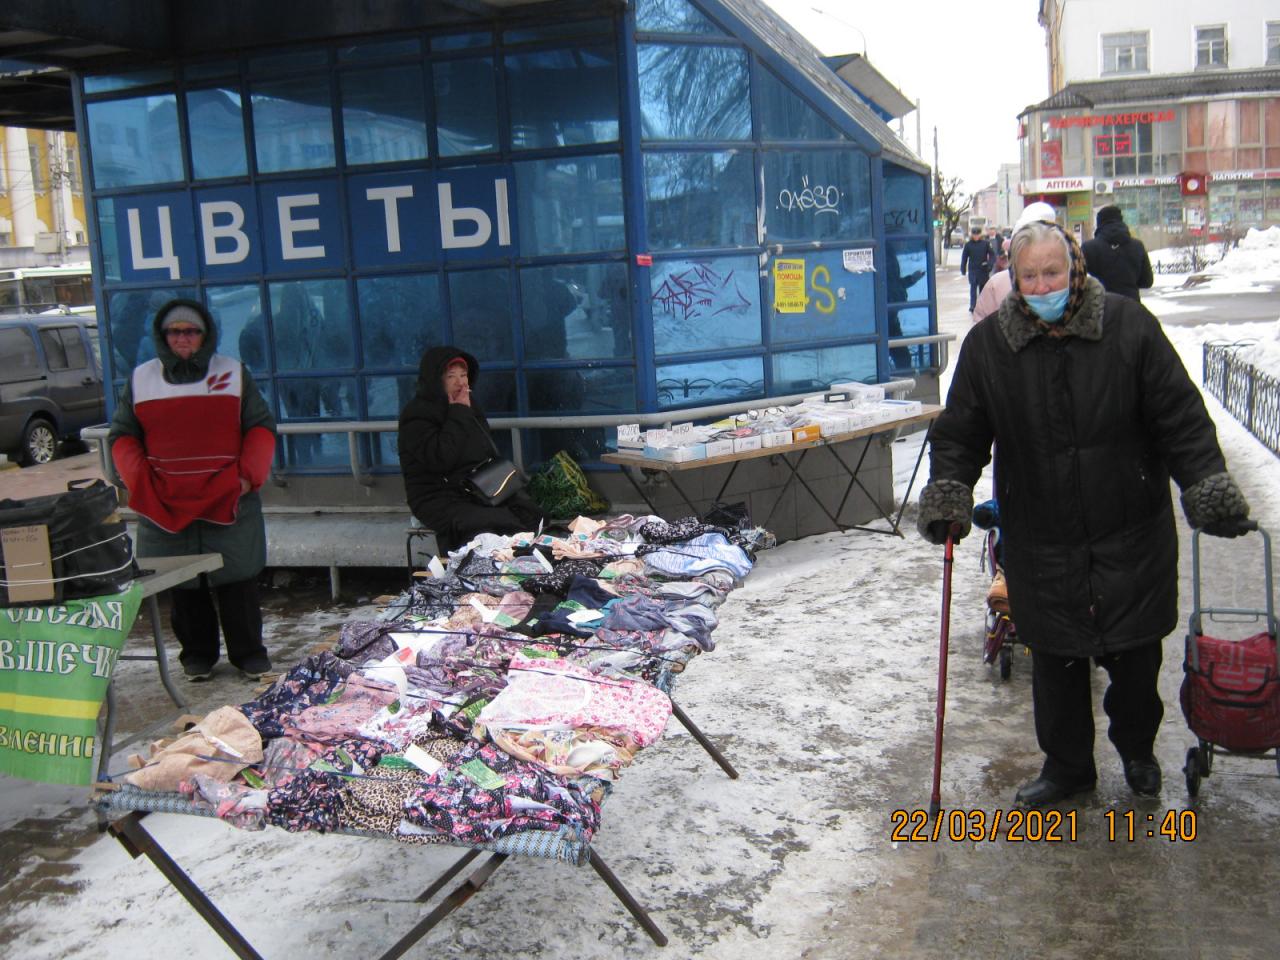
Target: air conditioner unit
(1101,187)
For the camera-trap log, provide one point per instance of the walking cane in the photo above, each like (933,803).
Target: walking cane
(935,800)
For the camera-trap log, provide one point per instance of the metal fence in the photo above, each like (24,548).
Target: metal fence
(1251,395)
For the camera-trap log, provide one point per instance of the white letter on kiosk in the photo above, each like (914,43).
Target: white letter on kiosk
(289,226)
(389,196)
(504,217)
(213,232)
(449,239)
(167,260)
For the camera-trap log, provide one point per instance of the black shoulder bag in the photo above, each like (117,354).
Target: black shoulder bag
(495,481)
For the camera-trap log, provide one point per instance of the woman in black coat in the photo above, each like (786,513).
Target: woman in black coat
(443,437)
(1091,413)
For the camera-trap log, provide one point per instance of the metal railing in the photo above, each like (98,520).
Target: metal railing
(664,418)
(1251,395)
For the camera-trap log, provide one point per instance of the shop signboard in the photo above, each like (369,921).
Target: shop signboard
(1057,185)
(55,664)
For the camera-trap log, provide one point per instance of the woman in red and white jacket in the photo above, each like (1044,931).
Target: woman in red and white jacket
(192,439)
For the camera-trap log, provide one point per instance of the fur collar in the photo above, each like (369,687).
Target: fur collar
(1086,323)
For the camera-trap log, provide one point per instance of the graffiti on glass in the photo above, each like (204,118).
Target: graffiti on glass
(817,198)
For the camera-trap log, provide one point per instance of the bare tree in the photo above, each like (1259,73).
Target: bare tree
(949,203)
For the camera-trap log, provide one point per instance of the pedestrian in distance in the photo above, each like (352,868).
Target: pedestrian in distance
(976,260)
(1091,412)
(1116,258)
(193,439)
(1001,281)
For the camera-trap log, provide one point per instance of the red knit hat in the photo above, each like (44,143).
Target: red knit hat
(457,360)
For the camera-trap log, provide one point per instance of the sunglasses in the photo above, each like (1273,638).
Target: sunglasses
(180,332)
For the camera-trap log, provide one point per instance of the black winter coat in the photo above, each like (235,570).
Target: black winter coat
(977,258)
(440,442)
(1088,429)
(1118,260)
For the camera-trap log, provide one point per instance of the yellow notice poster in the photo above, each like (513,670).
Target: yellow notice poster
(789,286)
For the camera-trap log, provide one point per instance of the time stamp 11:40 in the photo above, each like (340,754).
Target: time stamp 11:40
(1039,826)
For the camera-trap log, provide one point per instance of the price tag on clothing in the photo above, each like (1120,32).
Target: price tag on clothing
(546,564)
(579,617)
(421,759)
(435,567)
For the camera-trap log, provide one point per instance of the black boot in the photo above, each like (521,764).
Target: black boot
(1143,776)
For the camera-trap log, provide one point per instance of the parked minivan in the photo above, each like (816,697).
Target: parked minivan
(50,383)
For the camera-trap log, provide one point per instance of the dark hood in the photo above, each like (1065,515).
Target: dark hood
(1115,233)
(177,370)
(433,365)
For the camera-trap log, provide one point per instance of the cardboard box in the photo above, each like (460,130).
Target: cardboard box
(745,444)
(776,438)
(833,426)
(902,408)
(694,451)
(859,393)
(719,448)
(28,567)
(809,431)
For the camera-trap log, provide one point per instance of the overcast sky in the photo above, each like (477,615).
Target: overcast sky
(974,67)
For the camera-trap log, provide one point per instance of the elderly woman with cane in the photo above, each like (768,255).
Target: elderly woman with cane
(1091,412)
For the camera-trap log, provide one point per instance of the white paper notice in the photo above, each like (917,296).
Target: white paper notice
(859,261)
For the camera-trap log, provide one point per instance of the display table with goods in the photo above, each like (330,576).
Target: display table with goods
(845,414)
(492,706)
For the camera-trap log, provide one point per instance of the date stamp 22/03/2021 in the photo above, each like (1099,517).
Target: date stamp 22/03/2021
(1039,826)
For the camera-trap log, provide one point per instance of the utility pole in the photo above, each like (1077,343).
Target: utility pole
(939,247)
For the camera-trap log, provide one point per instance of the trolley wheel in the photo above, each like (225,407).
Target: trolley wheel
(1206,758)
(1192,772)
(1006,664)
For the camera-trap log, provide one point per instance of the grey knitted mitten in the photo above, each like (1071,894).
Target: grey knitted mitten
(943,502)
(1216,506)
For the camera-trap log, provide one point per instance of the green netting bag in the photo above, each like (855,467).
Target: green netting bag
(560,488)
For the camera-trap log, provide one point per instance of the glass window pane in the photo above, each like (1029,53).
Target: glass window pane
(55,354)
(399,318)
(710,381)
(135,141)
(461,41)
(384,115)
(910,322)
(242,333)
(907,270)
(215,121)
(563,98)
(784,115)
(125,81)
(284,62)
(837,303)
(806,370)
(690,92)
(311,399)
(466,106)
(215,70)
(385,397)
(311,326)
(480,302)
(576,310)
(700,200)
(904,201)
(379,51)
(129,316)
(292,124)
(601,390)
(817,195)
(570,205)
(554,31)
(705,304)
(672,16)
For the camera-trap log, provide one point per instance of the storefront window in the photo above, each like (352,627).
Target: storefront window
(784,115)
(576,311)
(907,271)
(135,141)
(710,381)
(700,199)
(817,195)
(130,314)
(672,16)
(910,322)
(242,334)
(466,106)
(311,326)
(806,370)
(1250,211)
(601,390)
(573,205)
(292,124)
(215,119)
(560,98)
(1220,130)
(904,201)
(384,115)
(480,303)
(690,92)
(400,317)
(705,304)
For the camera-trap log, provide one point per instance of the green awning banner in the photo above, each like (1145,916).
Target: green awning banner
(55,664)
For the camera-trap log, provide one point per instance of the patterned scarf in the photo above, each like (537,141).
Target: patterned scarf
(1077,278)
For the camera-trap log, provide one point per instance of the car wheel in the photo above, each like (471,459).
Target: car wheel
(39,443)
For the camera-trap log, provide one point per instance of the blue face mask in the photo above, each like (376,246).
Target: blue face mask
(1048,307)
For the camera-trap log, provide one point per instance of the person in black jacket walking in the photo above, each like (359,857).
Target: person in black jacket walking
(1117,259)
(976,259)
(444,436)
(1091,413)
